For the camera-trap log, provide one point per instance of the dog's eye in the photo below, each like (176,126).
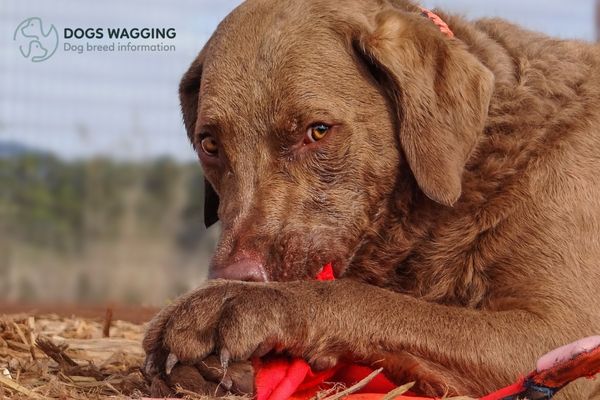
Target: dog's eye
(209,145)
(316,132)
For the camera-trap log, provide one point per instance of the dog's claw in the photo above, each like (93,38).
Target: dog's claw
(225,357)
(227,383)
(172,361)
(323,363)
(149,366)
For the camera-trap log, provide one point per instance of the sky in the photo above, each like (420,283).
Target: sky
(124,104)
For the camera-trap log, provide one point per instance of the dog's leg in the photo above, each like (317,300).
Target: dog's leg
(489,349)
(447,349)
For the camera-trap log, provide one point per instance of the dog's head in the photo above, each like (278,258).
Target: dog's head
(308,115)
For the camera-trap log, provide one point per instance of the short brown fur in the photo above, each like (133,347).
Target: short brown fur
(458,195)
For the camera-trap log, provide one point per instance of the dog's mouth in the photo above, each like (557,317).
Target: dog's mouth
(293,255)
(253,270)
(310,264)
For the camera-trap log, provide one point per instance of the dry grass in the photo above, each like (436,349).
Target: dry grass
(48,357)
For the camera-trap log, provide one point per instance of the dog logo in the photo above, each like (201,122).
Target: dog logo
(35,43)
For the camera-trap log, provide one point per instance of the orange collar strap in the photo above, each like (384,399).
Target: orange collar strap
(438,21)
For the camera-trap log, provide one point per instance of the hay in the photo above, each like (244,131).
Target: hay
(49,357)
(354,388)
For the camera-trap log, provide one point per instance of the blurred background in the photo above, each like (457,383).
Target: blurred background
(100,193)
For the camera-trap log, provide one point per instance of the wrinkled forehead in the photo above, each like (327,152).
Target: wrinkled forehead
(270,59)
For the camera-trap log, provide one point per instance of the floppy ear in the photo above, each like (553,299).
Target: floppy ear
(441,93)
(211,205)
(189,94)
(189,97)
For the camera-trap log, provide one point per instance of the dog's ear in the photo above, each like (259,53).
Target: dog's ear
(211,204)
(189,94)
(189,97)
(441,93)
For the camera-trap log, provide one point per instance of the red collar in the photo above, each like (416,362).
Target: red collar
(439,22)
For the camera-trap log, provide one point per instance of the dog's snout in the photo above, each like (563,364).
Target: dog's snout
(247,269)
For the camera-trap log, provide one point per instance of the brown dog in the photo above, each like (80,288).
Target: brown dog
(453,182)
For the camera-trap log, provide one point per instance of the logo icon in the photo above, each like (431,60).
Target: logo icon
(35,43)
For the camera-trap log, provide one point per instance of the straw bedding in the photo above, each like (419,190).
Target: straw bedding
(69,358)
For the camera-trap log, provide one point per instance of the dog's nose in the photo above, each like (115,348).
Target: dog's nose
(247,269)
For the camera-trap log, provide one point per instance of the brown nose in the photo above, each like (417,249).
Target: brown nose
(247,269)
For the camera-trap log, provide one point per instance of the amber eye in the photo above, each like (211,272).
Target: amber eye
(316,132)
(209,145)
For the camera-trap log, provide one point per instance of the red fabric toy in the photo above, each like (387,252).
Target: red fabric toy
(282,379)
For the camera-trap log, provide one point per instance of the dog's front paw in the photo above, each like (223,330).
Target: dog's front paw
(235,321)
